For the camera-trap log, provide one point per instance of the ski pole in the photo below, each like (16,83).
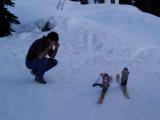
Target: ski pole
(59,4)
(63,4)
(98,79)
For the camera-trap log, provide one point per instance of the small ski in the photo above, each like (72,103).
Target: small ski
(125,92)
(124,89)
(106,79)
(100,100)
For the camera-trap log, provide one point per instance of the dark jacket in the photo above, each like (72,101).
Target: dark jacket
(125,74)
(104,84)
(37,47)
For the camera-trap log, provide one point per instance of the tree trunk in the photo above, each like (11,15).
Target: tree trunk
(84,2)
(101,1)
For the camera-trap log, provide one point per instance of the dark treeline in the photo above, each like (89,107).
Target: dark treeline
(150,6)
(129,2)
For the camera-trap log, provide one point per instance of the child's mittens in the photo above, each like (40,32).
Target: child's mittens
(94,85)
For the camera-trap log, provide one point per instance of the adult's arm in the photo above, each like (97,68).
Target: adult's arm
(97,84)
(43,53)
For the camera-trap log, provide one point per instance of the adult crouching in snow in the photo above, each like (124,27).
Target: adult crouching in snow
(36,59)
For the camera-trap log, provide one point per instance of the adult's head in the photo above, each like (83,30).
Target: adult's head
(53,36)
(51,39)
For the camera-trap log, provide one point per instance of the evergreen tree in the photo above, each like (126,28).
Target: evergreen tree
(144,5)
(150,6)
(84,1)
(155,5)
(129,2)
(6,18)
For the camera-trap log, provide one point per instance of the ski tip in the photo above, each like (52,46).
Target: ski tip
(128,97)
(100,102)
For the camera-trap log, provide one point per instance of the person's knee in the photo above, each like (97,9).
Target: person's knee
(28,64)
(54,62)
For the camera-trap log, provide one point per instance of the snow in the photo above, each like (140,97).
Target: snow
(93,39)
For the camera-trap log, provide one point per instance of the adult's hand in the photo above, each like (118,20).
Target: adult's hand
(43,53)
(57,45)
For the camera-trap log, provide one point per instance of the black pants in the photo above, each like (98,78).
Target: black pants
(124,83)
(41,65)
(104,90)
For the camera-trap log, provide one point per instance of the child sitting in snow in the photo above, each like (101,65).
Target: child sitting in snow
(106,80)
(124,78)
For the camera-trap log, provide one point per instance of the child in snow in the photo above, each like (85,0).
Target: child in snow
(106,80)
(36,59)
(124,77)
(118,78)
(123,80)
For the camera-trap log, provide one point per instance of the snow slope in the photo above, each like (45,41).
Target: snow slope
(93,39)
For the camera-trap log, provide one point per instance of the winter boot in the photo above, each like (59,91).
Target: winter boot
(40,80)
(33,72)
(100,100)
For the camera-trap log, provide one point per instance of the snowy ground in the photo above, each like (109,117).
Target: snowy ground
(93,39)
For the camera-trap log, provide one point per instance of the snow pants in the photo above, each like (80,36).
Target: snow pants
(123,83)
(40,66)
(104,90)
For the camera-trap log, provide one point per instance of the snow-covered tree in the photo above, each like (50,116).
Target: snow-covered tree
(6,18)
